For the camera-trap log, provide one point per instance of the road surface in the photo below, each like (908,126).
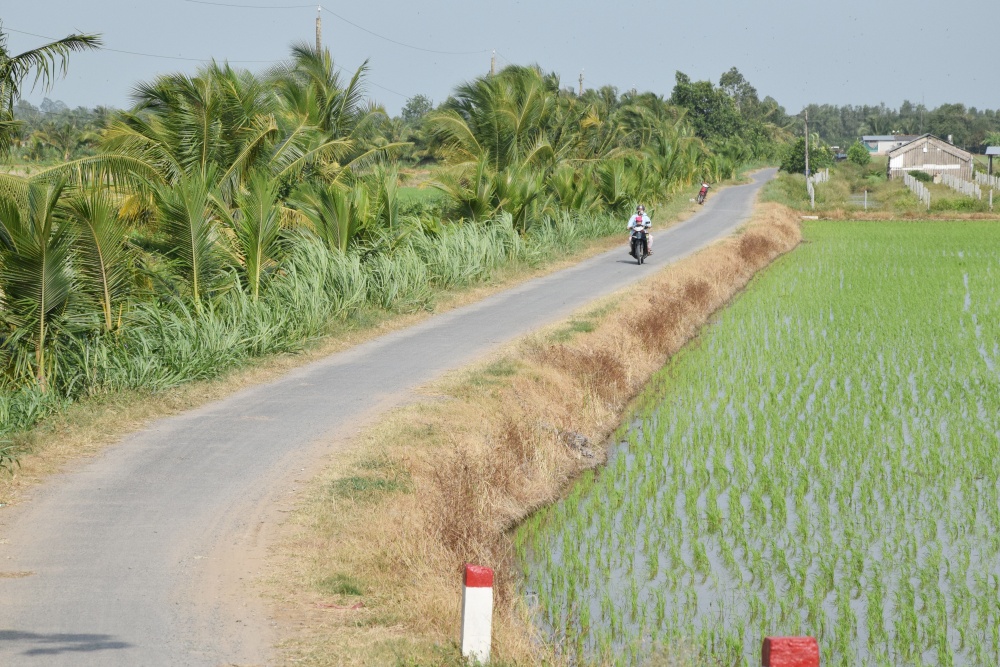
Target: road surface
(134,558)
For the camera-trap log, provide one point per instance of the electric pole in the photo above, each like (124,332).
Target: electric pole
(807,143)
(493,63)
(581,83)
(319,29)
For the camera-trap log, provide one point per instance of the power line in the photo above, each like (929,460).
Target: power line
(503,58)
(409,46)
(146,55)
(345,20)
(203,60)
(388,90)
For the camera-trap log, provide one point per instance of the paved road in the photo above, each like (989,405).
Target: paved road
(119,556)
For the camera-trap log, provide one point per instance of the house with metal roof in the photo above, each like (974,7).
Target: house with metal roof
(880,144)
(930,155)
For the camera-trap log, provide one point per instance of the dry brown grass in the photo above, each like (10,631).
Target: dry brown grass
(918,215)
(497,443)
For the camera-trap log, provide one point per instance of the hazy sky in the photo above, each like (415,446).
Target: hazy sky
(840,51)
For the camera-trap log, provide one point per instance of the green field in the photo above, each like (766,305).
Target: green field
(822,461)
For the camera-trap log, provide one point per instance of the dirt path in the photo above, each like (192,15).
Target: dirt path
(137,557)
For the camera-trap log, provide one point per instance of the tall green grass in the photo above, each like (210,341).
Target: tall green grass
(163,344)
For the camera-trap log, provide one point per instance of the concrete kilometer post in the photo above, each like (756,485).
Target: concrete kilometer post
(477,613)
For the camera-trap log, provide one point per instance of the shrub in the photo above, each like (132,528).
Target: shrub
(795,157)
(858,154)
(922,176)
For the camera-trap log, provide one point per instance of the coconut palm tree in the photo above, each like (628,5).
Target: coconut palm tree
(334,212)
(47,62)
(503,119)
(189,215)
(36,277)
(325,123)
(220,119)
(256,226)
(101,255)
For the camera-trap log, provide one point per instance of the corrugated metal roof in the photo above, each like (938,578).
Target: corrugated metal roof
(890,137)
(993,150)
(938,143)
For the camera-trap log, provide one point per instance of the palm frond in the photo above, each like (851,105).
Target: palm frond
(102,255)
(257,227)
(103,169)
(188,217)
(36,278)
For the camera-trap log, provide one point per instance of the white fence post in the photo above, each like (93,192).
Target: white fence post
(962,186)
(918,189)
(477,613)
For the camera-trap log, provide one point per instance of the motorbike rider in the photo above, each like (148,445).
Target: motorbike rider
(640,219)
(703,192)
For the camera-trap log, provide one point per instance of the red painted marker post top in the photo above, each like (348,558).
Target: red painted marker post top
(478,576)
(790,652)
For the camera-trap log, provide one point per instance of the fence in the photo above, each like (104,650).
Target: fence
(918,189)
(986,179)
(821,176)
(963,186)
(865,200)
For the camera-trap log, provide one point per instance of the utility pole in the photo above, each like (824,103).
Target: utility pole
(319,29)
(581,83)
(493,63)
(807,143)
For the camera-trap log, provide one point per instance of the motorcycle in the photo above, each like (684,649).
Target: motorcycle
(640,247)
(703,193)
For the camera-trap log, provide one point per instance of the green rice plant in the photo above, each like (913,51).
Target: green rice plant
(845,433)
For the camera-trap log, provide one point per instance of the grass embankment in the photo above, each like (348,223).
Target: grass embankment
(843,196)
(174,359)
(823,463)
(444,481)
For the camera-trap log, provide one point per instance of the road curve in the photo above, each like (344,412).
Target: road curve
(107,564)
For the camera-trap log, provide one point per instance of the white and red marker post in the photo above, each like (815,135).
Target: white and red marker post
(789,652)
(477,613)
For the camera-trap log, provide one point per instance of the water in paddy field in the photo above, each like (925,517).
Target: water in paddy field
(824,462)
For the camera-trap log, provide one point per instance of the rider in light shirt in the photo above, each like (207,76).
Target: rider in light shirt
(641,219)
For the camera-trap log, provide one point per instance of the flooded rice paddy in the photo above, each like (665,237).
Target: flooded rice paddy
(822,461)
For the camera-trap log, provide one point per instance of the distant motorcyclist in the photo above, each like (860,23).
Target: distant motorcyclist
(640,219)
(703,193)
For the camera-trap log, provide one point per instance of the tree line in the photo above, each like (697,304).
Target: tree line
(228,213)
(969,127)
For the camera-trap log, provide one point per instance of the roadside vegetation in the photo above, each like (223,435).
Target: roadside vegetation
(383,536)
(230,215)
